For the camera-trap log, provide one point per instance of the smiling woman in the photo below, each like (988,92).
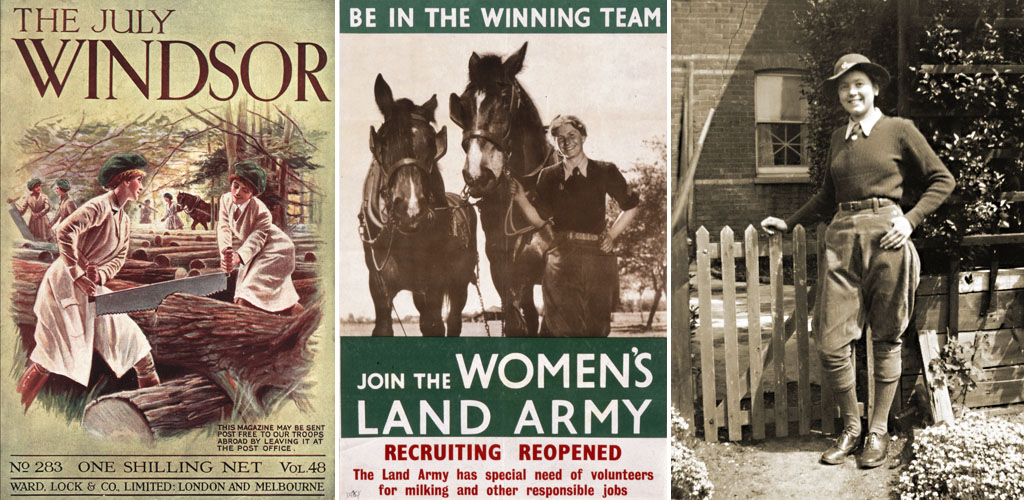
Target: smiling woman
(872,267)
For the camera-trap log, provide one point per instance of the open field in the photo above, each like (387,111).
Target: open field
(623,325)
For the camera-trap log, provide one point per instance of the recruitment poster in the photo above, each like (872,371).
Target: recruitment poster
(465,130)
(167,249)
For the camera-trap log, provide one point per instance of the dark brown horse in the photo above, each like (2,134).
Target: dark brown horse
(415,236)
(196,208)
(505,143)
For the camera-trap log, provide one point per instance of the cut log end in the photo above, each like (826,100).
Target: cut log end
(116,418)
(163,410)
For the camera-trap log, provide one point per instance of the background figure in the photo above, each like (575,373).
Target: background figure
(170,218)
(247,236)
(146,212)
(93,245)
(39,204)
(67,203)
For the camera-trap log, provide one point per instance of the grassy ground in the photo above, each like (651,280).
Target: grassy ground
(623,325)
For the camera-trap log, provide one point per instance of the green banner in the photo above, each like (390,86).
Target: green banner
(503,16)
(503,387)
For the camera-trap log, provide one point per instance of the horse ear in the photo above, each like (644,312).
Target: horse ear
(374,139)
(455,110)
(473,61)
(441,143)
(382,93)
(428,108)
(514,63)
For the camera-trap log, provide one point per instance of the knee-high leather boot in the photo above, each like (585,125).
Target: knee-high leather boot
(31,382)
(145,369)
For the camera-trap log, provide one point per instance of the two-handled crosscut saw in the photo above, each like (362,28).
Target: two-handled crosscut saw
(149,297)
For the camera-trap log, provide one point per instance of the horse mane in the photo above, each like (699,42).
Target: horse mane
(487,73)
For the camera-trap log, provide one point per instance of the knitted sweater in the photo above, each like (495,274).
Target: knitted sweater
(876,167)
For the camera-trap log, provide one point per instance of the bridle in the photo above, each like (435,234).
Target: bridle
(389,170)
(382,219)
(501,143)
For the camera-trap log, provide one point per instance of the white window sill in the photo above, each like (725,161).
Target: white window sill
(763,178)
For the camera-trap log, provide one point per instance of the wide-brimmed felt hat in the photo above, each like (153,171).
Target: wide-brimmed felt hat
(253,174)
(33,183)
(849,62)
(64,184)
(118,164)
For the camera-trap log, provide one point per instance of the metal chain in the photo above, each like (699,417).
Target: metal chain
(476,284)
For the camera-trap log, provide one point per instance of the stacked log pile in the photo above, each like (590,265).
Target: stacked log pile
(241,361)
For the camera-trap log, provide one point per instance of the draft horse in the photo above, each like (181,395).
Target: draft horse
(415,236)
(506,147)
(196,208)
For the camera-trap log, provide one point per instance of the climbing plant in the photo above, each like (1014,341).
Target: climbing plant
(972,115)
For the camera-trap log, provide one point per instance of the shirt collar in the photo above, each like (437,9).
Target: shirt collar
(567,168)
(113,203)
(243,205)
(866,124)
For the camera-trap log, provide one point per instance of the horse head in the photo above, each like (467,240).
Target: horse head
(406,149)
(494,113)
(185,199)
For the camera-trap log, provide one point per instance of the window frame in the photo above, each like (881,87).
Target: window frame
(765,174)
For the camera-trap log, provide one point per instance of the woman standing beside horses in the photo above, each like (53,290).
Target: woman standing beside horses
(170,218)
(579,273)
(872,268)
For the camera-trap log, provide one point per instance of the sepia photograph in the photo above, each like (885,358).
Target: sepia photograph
(847,288)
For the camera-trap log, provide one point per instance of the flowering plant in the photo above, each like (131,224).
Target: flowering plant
(976,457)
(689,475)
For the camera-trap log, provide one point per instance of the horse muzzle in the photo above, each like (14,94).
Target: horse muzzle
(481,185)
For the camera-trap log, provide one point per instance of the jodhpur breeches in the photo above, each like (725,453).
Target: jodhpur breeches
(865,286)
(579,289)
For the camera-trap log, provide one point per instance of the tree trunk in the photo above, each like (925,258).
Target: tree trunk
(264,356)
(30,254)
(150,253)
(654,306)
(260,356)
(184,259)
(163,410)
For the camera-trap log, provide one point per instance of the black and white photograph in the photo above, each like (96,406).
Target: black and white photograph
(505,186)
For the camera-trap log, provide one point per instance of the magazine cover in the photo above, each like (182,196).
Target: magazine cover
(167,249)
(502,191)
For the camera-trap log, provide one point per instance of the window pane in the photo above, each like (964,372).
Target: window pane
(787,143)
(778,98)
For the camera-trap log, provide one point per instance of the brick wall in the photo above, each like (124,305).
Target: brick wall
(727,41)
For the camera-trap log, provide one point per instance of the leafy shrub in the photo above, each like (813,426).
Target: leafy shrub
(975,458)
(689,475)
(973,120)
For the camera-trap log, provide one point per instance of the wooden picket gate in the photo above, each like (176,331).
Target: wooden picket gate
(725,410)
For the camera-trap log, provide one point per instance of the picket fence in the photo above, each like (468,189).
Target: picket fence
(749,382)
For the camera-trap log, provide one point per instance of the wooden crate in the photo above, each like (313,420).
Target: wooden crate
(993,323)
